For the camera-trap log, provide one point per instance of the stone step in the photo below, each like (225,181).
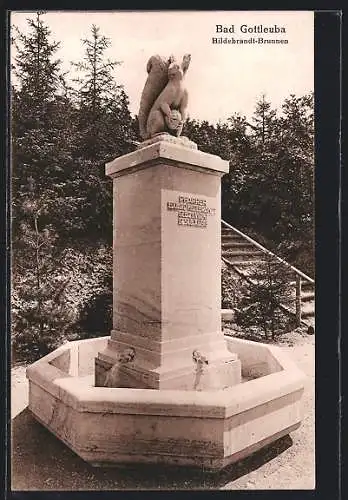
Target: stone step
(305,285)
(237,244)
(248,267)
(240,255)
(307,314)
(229,238)
(308,309)
(307,296)
(241,250)
(245,264)
(244,256)
(307,306)
(246,270)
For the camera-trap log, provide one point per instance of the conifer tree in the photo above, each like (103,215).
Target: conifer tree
(42,124)
(37,71)
(40,316)
(263,298)
(252,204)
(105,130)
(264,121)
(296,158)
(41,162)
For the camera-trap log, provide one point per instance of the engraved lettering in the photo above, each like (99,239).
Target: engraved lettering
(191,211)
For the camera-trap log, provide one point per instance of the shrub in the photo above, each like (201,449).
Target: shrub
(50,297)
(95,318)
(263,296)
(230,288)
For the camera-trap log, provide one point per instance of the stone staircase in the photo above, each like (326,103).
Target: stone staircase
(242,254)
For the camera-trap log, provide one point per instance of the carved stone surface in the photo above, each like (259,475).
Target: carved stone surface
(157,68)
(164,99)
(167,138)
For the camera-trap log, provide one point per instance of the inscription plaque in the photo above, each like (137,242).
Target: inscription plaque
(191,211)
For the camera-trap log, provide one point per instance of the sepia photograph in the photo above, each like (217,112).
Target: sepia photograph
(163,250)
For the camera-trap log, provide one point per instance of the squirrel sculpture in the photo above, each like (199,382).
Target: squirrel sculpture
(164,99)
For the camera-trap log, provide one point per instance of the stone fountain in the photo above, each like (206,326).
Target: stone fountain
(166,387)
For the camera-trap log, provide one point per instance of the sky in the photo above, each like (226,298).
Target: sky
(222,78)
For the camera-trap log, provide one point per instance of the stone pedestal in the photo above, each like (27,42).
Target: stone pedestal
(167,261)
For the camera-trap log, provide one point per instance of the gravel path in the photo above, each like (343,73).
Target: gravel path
(42,462)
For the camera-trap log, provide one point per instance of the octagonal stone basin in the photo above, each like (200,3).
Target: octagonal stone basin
(107,426)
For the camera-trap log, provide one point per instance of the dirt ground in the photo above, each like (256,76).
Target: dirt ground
(41,462)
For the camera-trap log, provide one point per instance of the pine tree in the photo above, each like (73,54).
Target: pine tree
(37,72)
(105,131)
(42,134)
(296,157)
(40,317)
(263,298)
(254,204)
(264,120)
(42,124)
(104,117)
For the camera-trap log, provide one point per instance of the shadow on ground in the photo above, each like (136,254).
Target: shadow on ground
(41,462)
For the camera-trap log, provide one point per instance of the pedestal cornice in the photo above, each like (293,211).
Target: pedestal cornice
(169,154)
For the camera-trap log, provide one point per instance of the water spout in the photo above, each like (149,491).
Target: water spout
(199,361)
(112,375)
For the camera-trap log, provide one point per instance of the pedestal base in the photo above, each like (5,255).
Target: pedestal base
(216,375)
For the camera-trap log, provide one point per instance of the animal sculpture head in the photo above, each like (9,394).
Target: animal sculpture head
(176,70)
